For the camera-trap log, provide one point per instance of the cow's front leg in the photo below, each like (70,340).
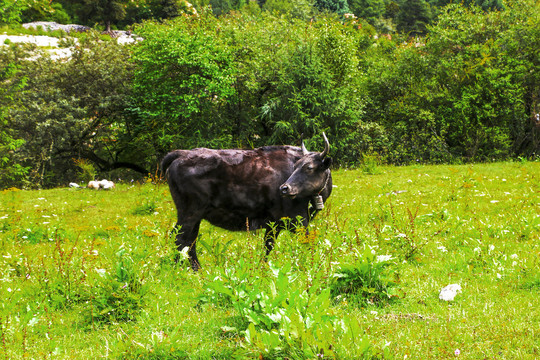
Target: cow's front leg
(271,233)
(186,237)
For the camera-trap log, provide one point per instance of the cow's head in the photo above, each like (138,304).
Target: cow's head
(310,175)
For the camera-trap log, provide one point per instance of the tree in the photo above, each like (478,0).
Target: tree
(413,17)
(45,10)
(11,172)
(106,12)
(468,93)
(169,9)
(370,10)
(184,73)
(74,109)
(336,6)
(301,9)
(11,11)
(221,7)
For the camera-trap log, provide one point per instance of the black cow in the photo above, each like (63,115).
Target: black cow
(246,189)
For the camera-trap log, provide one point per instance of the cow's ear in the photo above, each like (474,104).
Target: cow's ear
(327,162)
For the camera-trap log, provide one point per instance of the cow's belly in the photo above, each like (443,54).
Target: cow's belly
(235,220)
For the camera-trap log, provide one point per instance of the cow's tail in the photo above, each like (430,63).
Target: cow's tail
(167,161)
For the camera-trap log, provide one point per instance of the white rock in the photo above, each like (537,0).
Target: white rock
(74,185)
(51,26)
(448,293)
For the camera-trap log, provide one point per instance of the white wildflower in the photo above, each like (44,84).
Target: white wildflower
(382,258)
(101,272)
(33,321)
(159,335)
(184,253)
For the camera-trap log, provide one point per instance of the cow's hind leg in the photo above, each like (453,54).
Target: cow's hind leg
(186,236)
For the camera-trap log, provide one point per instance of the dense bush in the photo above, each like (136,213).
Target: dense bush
(59,111)
(248,81)
(466,92)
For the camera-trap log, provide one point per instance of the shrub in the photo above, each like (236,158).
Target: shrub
(365,282)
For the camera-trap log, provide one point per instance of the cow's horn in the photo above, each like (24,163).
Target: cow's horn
(304,150)
(326,146)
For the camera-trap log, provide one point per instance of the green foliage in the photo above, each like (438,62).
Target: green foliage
(282,319)
(458,95)
(118,295)
(413,17)
(301,9)
(222,7)
(46,11)
(370,164)
(365,282)
(336,6)
(104,12)
(370,10)
(184,72)
(12,10)
(145,208)
(73,110)
(11,172)
(397,227)
(87,170)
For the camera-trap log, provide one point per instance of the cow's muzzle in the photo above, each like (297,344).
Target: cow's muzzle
(286,190)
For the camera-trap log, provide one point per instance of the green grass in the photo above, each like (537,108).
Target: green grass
(89,274)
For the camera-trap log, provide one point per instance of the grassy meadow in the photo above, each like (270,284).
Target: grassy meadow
(91,274)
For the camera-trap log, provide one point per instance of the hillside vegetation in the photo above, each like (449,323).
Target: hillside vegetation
(464,89)
(90,274)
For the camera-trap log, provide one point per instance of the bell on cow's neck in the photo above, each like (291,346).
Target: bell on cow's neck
(318,202)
